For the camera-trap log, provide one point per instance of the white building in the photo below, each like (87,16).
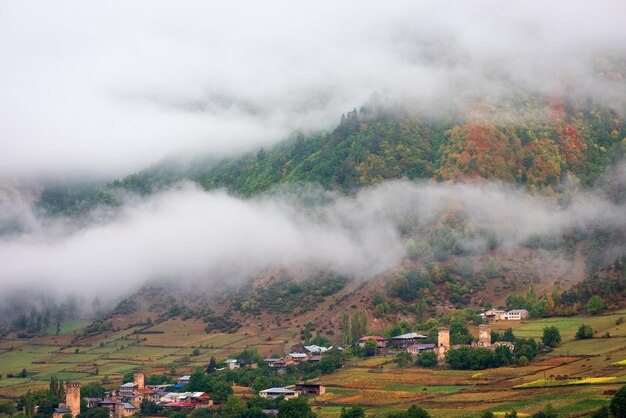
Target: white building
(274,393)
(232,364)
(516,315)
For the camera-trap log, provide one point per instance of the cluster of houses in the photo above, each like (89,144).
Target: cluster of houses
(301,353)
(126,400)
(415,345)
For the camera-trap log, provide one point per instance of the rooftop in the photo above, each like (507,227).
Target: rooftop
(409,336)
(316,348)
(372,337)
(179,405)
(297,355)
(62,410)
(278,390)
(423,346)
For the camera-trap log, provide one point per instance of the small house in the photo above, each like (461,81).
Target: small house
(493,315)
(59,412)
(406,340)
(417,349)
(127,390)
(274,393)
(276,362)
(297,356)
(232,364)
(313,389)
(382,342)
(183,380)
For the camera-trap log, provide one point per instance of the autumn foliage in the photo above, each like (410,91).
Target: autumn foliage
(481,150)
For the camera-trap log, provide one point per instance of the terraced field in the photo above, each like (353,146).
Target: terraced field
(109,355)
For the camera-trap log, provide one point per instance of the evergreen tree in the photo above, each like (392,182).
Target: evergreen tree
(346,333)
(420,315)
(359,324)
(551,336)
(212,366)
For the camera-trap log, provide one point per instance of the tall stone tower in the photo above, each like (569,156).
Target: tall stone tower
(139,378)
(484,335)
(72,397)
(443,344)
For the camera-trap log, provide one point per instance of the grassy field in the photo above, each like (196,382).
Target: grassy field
(574,377)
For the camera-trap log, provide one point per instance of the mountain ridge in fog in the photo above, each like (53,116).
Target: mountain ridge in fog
(539,142)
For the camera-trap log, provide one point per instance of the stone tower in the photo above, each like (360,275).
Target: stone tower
(138,378)
(72,397)
(484,335)
(443,339)
(443,344)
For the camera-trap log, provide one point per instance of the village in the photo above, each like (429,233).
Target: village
(128,398)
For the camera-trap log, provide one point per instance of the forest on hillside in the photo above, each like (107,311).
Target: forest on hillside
(544,144)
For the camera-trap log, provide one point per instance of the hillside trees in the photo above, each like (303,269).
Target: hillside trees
(480,149)
(596,305)
(358,324)
(356,411)
(346,331)
(295,408)
(618,403)
(7,407)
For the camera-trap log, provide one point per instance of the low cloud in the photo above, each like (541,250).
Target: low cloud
(188,235)
(106,89)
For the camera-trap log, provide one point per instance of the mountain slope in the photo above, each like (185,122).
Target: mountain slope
(538,142)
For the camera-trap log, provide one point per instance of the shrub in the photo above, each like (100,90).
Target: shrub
(427,359)
(352,412)
(584,332)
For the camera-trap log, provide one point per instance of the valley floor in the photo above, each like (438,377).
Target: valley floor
(577,377)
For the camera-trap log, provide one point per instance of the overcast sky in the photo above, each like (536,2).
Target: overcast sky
(106,88)
(103,89)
